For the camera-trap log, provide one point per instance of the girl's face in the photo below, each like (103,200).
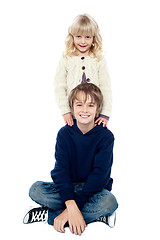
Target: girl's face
(82,44)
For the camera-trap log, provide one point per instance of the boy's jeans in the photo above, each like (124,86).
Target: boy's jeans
(46,194)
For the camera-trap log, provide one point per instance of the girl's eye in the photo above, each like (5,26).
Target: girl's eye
(78,36)
(88,37)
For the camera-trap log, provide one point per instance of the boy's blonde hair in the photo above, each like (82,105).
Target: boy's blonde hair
(89,89)
(87,26)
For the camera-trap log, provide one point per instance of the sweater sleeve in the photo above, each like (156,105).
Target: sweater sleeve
(60,87)
(105,86)
(61,172)
(100,175)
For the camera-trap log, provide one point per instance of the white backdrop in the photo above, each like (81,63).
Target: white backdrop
(31,43)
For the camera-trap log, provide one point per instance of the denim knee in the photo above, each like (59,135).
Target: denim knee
(34,190)
(110,203)
(106,203)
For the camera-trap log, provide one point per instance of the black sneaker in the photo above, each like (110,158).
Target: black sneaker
(109,220)
(36,215)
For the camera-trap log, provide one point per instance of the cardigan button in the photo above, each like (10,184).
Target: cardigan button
(83,68)
(82,58)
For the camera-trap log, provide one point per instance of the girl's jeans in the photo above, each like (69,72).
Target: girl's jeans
(46,194)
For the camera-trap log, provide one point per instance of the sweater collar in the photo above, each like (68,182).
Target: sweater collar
(77,130)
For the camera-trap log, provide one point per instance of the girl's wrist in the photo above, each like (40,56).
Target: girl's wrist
(66,113)
(104,116)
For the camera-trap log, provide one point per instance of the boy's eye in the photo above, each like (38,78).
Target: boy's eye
(78,36)
(88,37)
(91,105)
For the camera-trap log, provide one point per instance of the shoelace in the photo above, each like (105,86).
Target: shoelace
(38,216)
(102,219)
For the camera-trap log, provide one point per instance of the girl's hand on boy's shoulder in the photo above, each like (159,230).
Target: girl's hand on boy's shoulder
(68,119)
(102,120)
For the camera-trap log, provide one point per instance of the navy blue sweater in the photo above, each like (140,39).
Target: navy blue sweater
(83,158)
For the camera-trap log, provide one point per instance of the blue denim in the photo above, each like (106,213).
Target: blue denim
(46,194)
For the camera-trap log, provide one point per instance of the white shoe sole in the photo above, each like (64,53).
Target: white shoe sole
(112,220)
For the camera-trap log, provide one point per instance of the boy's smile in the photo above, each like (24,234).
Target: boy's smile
(84,116)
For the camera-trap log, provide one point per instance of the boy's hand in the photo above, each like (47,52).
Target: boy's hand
(102,120)
(60,221)
(75,218)
(68,119)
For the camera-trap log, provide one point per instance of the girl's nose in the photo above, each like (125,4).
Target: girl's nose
(83,39)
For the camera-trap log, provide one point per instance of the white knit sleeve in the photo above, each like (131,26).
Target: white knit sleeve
(60,87)
(105,86)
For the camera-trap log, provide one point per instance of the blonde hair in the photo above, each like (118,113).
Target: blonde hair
(89,89)
(84,25)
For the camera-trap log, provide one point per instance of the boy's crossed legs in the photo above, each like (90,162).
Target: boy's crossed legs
(99,206)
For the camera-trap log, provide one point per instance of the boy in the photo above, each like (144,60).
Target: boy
(80,191)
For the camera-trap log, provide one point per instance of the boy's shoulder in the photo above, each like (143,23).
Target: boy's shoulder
(63,130)
(105,133)
(66,130)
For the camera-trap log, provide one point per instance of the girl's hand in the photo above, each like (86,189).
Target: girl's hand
(68,119)
(60,221)
(76,221)
(102,120)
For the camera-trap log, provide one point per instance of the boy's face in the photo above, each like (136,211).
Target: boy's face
(84,112)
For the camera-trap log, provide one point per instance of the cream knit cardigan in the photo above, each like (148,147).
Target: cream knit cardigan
(69,74)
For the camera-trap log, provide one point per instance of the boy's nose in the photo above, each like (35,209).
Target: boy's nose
(84,108)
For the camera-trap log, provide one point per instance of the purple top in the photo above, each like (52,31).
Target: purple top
(84,80)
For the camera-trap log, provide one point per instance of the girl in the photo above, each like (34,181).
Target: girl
(83,62)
